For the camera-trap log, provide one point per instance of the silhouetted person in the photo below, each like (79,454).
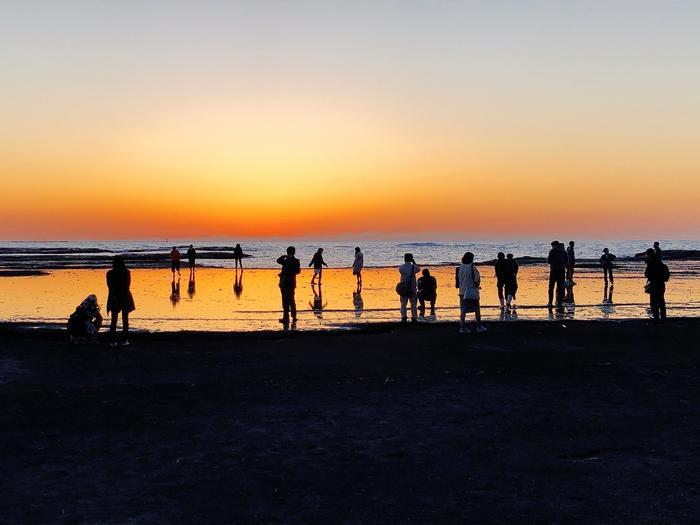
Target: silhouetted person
(357,265)
(238,256)
(119,299)
(502,268)
(427,291)
(191,257)
(191,286)
(238,283)
(468,280)
(606,261)
(85,322)
(318,263)
(657,251)
(571,263)
(288,283)
(511,280)
(407,287)
(657,275)
(175,291)
(557,271)
(175,260)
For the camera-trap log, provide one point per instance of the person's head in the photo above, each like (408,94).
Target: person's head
(656,244)
(605,250)
(191,246)
(509,256)
(501,256)
(357,249)
(571,243)
(118,263)
(174,247)
(468,258)
(408,257)
(651,254)
(426,272)
(238,245)
(320,250)
(555,244)
(291,250)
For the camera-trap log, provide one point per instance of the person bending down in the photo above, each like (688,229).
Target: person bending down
(427,291)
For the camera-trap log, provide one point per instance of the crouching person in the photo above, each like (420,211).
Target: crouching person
(85,322)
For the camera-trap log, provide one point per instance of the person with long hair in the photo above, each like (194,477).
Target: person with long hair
(357,266)
(468,280)
(119,299)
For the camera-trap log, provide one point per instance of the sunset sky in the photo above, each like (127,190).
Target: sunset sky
(127,119)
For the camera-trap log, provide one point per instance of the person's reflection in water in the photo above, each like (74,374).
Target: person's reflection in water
(357,301)
(238,283)
(191,289)
(606,307)
(508,314)
(569,304)
(317,305)
(175,291)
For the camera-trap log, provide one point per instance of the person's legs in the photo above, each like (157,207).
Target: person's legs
(662,304)
(462,314)
(560,288)
(654,305)
(414,310)
(113,325)
(293,305)
(499,286)
(320,275)
(285,304)
(432,307)
(552,281)
(421,306)
(404,302)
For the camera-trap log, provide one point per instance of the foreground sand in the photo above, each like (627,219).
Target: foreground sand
(530,422)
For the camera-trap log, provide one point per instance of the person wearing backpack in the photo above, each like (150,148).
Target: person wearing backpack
(468,280)
(657,274)
(407,287)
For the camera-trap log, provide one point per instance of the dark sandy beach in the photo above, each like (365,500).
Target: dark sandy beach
(530,422)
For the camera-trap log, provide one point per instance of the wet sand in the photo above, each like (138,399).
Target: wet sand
(573,422)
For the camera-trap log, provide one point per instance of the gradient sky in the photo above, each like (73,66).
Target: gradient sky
(246,119)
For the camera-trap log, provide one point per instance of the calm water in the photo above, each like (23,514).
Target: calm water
(213,303)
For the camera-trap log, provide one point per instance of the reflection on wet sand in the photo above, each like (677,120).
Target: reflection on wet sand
(191,285)
(51,298)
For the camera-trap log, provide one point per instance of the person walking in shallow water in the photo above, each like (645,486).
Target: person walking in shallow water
(191,257)
(288,283)
(318,263)
(119,299)
(407,287)
(606,261)
(468,280)
(502,268)
(357,266)
(657,275)
(657,251)
(175,260)
(557,271)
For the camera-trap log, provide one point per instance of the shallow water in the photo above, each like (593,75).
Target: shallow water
(213,304)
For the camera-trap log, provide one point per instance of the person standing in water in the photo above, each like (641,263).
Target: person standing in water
(191,257)
(606,261)
(657,275)
(427,291)
(175,260)
(357,266)
(571,263)
(119,299)
(502,270)
(288,283)
(511,280)
(468,280)
(238,256)
(557,271)
(657,251)
(407,287)
(318,263)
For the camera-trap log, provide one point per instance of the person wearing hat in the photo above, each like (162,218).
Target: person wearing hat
(557,261)
(606,261)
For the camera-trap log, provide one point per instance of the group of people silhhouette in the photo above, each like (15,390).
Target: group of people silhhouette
(416,293)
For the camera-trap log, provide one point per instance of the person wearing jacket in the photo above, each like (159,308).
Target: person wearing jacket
(468,281)
(571,263)
(557,271)
(119,298)
(318,263)
(288,283)
(657,274)
(606,261)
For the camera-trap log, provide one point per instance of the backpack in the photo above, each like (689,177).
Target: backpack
(665,273)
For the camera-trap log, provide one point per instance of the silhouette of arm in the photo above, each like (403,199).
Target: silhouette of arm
(280,260)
